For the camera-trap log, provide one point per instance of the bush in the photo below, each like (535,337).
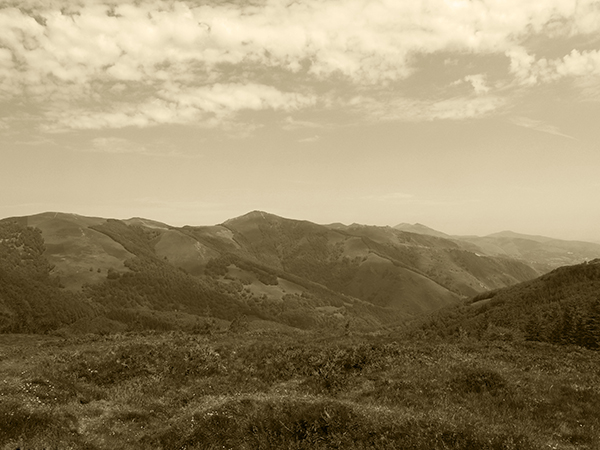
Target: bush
(496,333)
(252,423)
(17,422)
(478,380)
(177,359)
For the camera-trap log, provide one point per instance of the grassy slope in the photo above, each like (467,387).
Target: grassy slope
(162,286)
(31,300)
(421,270)
(79,253)
(542,302)
(294,390)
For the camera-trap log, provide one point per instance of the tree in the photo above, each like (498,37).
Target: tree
(533,329)
(591,336)
(567,327)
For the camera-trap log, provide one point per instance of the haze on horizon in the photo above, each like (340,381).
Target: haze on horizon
(471,117)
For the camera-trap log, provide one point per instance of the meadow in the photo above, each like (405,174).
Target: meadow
(286,389)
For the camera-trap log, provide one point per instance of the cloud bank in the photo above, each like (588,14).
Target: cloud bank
(110,64)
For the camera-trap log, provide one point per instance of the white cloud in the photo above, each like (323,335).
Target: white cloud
(456,108)
(538,125)
(530,71)
(314,138)
(118,64)
(289,123)
(462,108)
(478,82)
(579,64)
(223,99)
(175,104)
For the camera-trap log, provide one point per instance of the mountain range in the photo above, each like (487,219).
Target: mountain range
(541,252)
(65,270)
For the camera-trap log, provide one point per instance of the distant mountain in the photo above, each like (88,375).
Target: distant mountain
(139,272)
(421,229)
(561,307)
(542,253)
(512,235)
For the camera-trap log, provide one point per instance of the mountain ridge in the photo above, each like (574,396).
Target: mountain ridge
(542,252)
(285,270)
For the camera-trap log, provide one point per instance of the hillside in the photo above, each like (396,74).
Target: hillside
(30,298)
(142,273)
(560,307)
(540,252)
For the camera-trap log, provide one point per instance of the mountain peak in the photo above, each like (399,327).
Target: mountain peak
(253,215)
(419,228)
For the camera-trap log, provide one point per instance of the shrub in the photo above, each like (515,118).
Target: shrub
(496,333)
(175,359)
(18,422)
(253,423)
(478,380)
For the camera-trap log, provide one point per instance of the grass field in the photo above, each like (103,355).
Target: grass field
(294,390)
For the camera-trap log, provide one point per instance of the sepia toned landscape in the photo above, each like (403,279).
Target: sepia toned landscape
(296,224)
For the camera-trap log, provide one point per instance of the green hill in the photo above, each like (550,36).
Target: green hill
(560,307)
(147,274)
(31,300)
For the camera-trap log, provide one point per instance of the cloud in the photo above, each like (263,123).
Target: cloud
(95,64)
(579,64)
(478,82)
(538,125)
(223,99)
(530,71)
(462,108)
(174,104)
(292,124)
(406,109)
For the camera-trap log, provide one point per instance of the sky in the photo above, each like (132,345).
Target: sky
(468,116)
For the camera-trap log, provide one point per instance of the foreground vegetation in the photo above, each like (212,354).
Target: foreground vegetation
(294,390)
